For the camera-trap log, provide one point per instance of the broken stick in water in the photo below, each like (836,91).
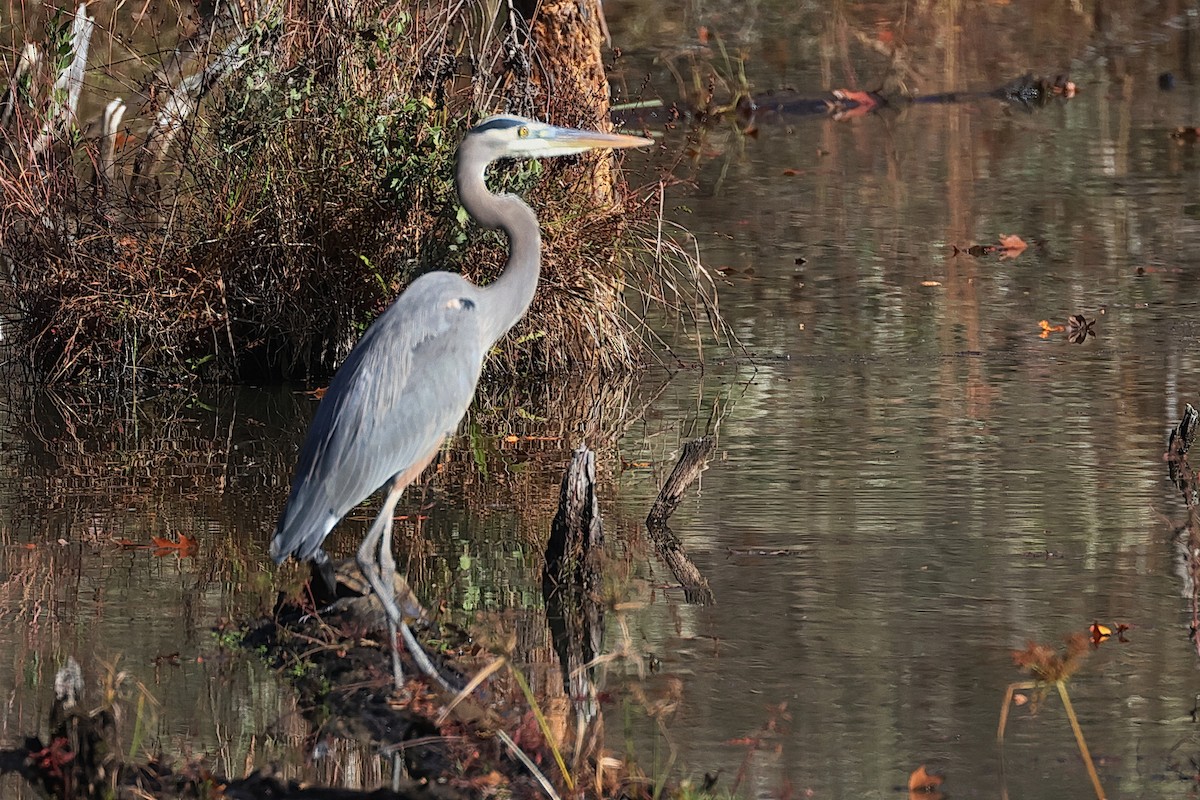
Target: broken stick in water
(692,461)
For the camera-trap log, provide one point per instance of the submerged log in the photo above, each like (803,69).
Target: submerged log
(692,461)
(1028,92)
(1183,436)
(1187,536)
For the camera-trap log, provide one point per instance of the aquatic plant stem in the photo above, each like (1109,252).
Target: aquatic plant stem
(479,678)
(1083,748)
(1062,692)
(1008,697)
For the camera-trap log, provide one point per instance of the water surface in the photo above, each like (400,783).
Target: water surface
(909,482)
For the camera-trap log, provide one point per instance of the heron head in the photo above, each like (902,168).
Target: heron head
(506,136)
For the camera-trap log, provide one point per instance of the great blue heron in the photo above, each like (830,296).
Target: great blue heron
(407,383)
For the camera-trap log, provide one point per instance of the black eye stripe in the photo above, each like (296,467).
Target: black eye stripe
(498,125)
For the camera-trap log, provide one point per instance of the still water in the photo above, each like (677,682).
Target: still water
(909,481)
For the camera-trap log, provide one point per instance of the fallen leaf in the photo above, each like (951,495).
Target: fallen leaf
(1048,329)
(862,99)
(920,781)
(1099,633)
(1012,246)
(493,778)
(702,34)
(1079,328)
(931,283)
(793,172)
(186,546)
(1020,699)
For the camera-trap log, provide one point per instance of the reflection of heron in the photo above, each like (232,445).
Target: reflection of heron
(407,383)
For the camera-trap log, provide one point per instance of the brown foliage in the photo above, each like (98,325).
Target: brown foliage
(313,184)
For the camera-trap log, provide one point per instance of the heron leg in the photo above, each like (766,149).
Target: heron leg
(372,562)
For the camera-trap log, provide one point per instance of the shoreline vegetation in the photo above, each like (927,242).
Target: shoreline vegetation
(256,198)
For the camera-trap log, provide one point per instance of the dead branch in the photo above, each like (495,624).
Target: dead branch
(692,461)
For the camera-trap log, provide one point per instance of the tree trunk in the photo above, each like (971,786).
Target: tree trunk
(567,72)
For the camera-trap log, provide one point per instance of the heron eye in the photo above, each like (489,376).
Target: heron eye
(522,131)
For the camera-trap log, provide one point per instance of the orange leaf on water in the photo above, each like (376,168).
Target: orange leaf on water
(921,781)
(1012,245)
(863,99)
(1048,329)
(184,547)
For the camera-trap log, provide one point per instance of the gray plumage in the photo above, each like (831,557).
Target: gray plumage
(401,391)
(408,382)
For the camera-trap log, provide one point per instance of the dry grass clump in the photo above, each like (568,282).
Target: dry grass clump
(259,212)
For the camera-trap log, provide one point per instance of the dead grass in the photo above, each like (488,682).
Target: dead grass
(311,185)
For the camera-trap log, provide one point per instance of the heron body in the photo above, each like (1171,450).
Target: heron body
(401,391)
(408,382)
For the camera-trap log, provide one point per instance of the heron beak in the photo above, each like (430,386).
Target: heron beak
(571,140)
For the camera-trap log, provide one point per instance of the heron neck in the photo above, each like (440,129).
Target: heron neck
(510,294)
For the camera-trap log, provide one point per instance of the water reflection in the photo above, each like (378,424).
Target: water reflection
(939,483)
(908,482)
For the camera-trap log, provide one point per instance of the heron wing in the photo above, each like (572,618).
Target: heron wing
(402,389)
